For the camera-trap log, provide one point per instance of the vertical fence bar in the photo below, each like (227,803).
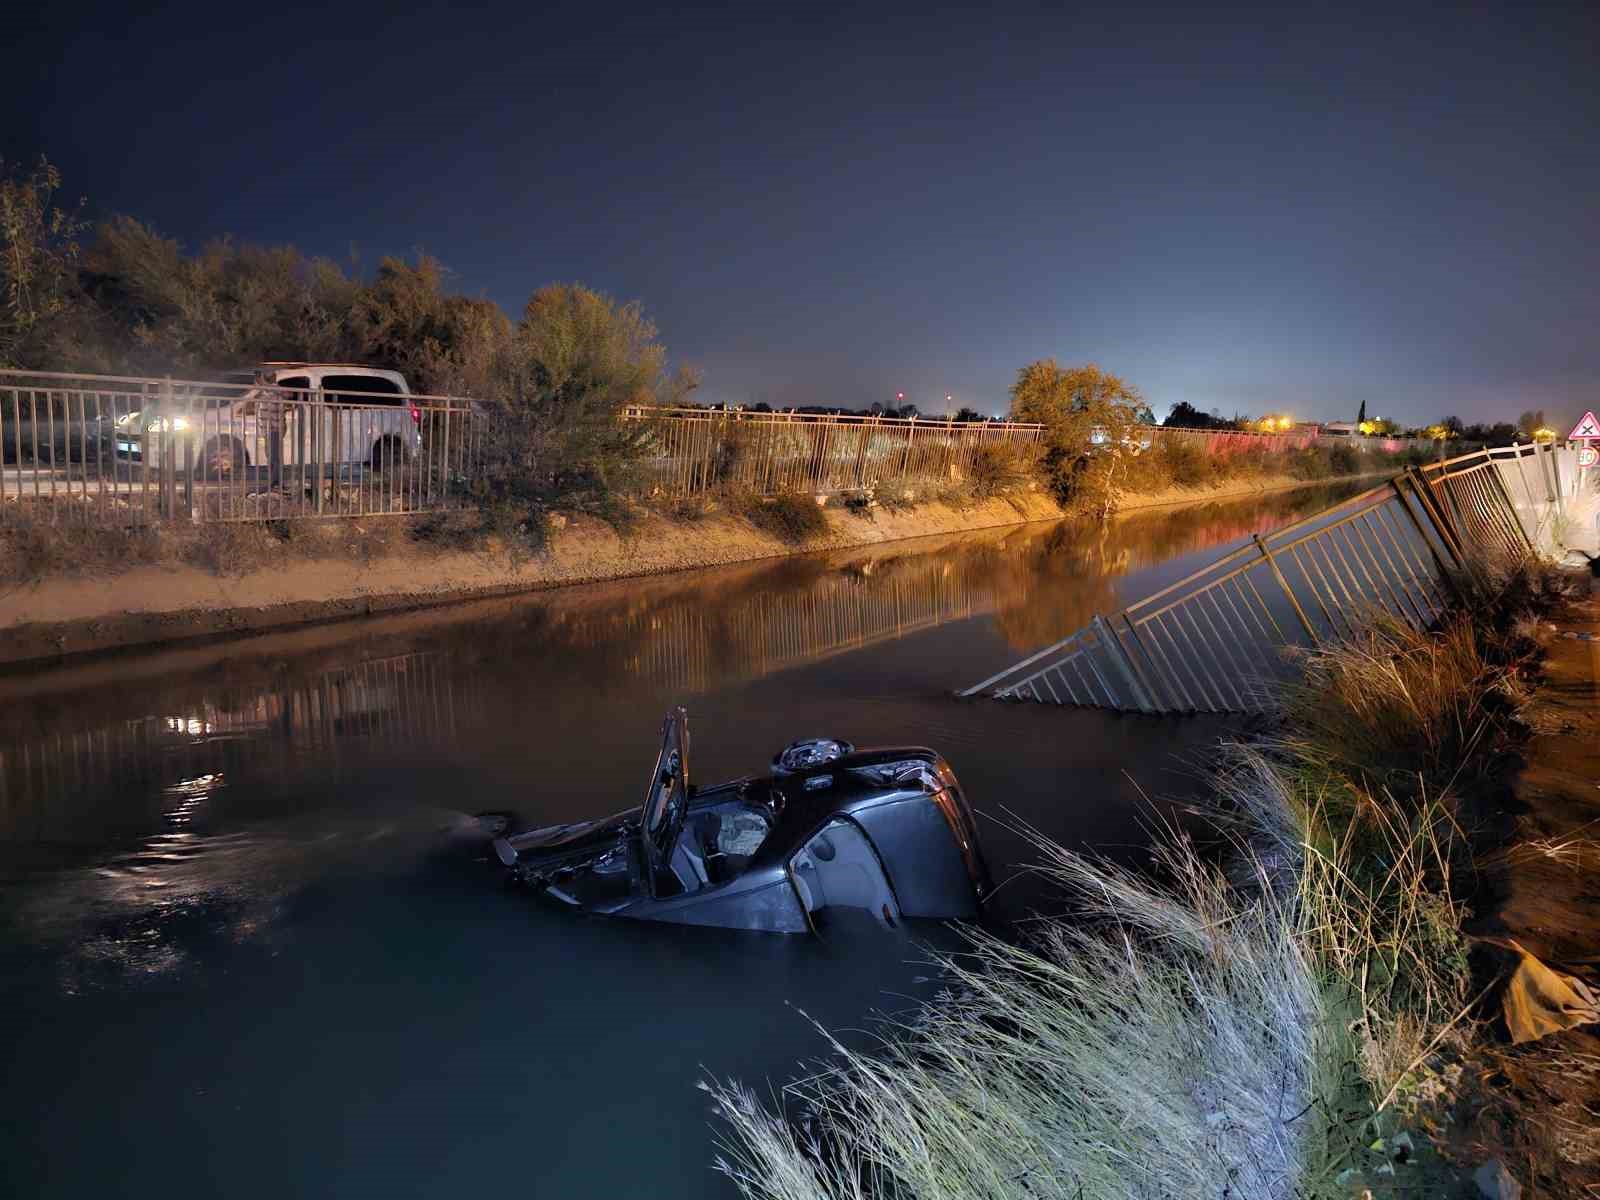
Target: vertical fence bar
(1123,663)
(1288,592)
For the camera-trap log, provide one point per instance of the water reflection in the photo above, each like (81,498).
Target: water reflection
(282,708)
(243,892)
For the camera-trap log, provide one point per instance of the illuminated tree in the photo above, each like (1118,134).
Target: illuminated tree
(1090,418)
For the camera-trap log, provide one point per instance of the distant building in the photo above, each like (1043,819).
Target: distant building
(1339,429)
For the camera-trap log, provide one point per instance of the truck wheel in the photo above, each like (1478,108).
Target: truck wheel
(389,452)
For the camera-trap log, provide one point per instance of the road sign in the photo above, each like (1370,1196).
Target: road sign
(1586,428)
(1588,456)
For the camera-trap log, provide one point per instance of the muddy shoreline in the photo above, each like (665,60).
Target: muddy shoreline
(65,616)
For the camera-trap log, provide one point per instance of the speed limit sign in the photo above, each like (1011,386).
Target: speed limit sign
(1586,433)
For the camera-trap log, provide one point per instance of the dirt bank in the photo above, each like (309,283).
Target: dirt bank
(74,613)
(1536,1106)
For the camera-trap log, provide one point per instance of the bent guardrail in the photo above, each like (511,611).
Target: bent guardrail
(1214,640)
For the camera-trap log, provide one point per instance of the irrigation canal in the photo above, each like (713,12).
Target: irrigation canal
(251,945)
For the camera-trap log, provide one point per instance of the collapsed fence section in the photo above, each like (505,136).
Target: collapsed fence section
(1215,640)
(78,449)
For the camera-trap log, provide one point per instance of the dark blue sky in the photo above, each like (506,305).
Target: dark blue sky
(1246,209)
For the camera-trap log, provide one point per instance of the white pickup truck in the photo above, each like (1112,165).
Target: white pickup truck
(330,413)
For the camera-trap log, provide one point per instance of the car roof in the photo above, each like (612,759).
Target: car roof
(343,366)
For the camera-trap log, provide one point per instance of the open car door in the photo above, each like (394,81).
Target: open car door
(666,802)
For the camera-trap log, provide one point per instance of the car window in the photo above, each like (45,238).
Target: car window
(298,383)
(381,390)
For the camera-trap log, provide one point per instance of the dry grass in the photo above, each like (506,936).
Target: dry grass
(1394,708)
(32,549)
(999,469)
(791,519)
(1162,1043)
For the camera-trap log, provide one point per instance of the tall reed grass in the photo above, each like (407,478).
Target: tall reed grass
(1237,1023)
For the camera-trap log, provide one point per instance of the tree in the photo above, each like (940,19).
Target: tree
(1529,423)
(39,253)
(577,360)
(969,415)
(445,344)
(1186,416)
(1068,402)
(1080,408)
(1361,415)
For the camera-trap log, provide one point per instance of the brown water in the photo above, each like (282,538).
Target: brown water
(251,945)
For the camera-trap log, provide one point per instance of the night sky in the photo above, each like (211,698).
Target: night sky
(1248,210)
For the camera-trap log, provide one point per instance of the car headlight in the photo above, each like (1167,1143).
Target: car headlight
(163,424)
(129,421)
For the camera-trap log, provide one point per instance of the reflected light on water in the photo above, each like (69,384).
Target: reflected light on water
(190,795)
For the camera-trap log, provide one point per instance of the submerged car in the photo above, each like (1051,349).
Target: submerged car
(885,831)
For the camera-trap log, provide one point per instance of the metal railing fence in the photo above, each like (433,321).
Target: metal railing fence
(698,450)
(94,449)
(120,450)
(1214,641)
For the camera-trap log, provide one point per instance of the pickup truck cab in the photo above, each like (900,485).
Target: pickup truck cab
(331,413)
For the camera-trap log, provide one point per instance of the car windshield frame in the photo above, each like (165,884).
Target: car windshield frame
(666,801)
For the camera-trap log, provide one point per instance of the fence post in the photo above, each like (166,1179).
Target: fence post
(320,416)
(188,477)
(1555,473)
(1433,552)
(168,484)
(1126,667)
(1442,522)
(1287,590)
(1505,494)
(1522,470)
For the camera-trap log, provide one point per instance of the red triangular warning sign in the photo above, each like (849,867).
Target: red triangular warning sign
(1586,428)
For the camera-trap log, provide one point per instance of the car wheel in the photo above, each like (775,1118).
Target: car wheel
(223,458)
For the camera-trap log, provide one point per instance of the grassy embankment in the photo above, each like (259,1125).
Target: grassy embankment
(35,547)
(1276,1015)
